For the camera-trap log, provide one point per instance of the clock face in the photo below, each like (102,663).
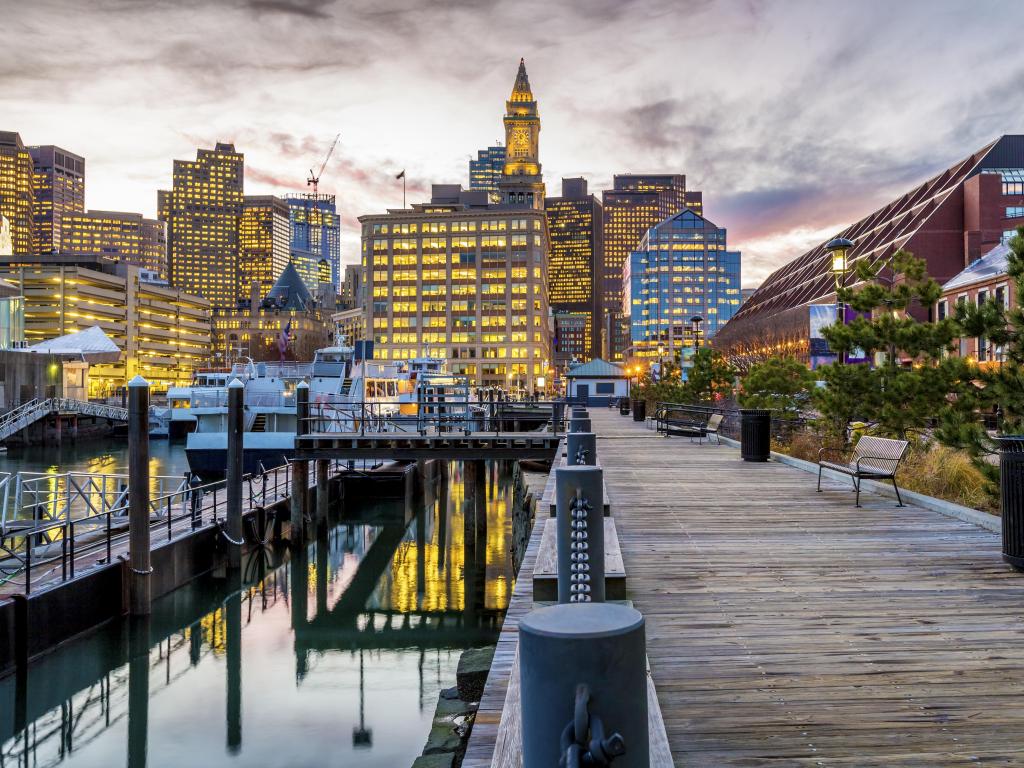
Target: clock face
(520,137)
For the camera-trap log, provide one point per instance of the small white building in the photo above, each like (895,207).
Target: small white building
(597,382)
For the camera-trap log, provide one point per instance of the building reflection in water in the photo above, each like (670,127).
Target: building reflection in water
(364,625)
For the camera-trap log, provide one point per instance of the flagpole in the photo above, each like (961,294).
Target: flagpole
(403,190)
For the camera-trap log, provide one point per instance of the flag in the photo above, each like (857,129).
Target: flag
(401,175)
(284,338)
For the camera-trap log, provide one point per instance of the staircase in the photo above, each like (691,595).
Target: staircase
(28,413)
(259,424)
(346,387)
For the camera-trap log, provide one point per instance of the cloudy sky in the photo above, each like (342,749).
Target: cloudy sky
(795,118)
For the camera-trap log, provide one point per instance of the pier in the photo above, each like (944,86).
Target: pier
(787,627)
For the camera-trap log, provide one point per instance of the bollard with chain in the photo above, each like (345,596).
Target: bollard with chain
(579,517)
(579,424)
(583,680)
(581,448)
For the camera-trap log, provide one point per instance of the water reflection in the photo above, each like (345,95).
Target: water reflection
(333,655)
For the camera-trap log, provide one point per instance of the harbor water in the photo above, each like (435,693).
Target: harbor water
(334,654)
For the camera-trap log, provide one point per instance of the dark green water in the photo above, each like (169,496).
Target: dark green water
(106,456)
(331,657)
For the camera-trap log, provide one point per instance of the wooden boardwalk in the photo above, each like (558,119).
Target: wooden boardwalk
(787,627)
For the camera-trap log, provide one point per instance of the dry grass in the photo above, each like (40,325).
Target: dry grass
(933,470)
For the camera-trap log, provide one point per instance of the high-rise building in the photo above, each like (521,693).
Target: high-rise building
(521,182)
(633,205)
(350,292)
(315,235)
(16,196)
(680,270)
(117,236)
(950,220)
(576,230)
(203,210)
(59,190)
(487,170)
(264,237)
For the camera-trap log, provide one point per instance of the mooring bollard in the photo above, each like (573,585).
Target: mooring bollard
(300,468)
(557,415)
(579,424)
(236,432)
(323,490)
(579,517)
(583,681)
(581,448)
(579,412)
(139,562)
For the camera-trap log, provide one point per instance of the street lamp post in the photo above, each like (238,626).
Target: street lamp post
(839,247)
(695,322)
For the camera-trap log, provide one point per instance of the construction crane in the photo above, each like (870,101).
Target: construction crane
(314,178)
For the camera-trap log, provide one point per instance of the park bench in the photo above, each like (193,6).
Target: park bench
(874,458)
(671,422)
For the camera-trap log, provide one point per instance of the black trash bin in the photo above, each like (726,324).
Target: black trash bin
(1011,493)
(755,434)
(639,410)
(624,406)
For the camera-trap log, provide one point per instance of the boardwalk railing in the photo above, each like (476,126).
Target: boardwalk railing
(432,416)
(782,428)
(38,547)
(30,412)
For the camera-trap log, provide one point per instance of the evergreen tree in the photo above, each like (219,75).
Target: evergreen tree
(996,390)
(709,379)
(900,399)
(781,384)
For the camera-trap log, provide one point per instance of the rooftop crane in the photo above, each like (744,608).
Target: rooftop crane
(314,178)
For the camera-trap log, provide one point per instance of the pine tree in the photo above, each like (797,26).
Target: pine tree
(709,379)
(996,390)
(900,399)
(781,384)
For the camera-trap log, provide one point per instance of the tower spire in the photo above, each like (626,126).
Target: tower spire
(521,90)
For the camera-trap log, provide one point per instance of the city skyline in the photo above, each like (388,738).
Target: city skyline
(804,130)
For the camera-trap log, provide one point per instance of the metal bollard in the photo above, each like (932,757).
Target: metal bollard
(579,424)
(581,448)
(583,681)
(579,515)
(139,556)
(236,431)
(557,415)
(580,412)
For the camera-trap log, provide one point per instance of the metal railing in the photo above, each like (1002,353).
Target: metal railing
(432,417)
(28,413)
(698,415)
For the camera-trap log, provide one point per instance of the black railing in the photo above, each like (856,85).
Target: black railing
(783,429)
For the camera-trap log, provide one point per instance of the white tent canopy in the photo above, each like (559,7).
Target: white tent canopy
(91,344)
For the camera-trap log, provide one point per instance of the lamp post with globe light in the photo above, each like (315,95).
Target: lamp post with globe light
(838,248)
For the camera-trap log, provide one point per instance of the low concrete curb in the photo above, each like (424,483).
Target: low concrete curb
(947,508)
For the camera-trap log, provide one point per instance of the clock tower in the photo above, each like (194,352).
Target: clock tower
(521,184)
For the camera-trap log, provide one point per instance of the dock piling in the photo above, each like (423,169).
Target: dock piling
(139,562)
(300,468)
(236,431)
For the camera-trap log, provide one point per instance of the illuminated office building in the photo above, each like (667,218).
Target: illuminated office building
(350,325)
(203,210)
(634,204)
(119,237)
(16,197)
(263,242)
(486,171)
(464,278)
(315,235)
(58,190)
(681,269)
(576,230)
(163,333)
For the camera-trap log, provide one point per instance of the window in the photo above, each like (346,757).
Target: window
(604,388)
(1015,212)
(942,310)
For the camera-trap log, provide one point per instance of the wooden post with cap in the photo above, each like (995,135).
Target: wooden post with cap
(139,562)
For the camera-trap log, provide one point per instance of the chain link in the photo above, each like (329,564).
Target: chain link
(580,550)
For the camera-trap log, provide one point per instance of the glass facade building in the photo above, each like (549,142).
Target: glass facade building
(681,269)
(315,235)
(12,316)
(58,191)
(630,208)
(485,172)
(202,211)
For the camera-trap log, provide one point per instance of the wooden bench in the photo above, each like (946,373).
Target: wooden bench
(874,458)
(681,426)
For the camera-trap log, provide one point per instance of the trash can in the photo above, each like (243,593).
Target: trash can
(624,406)
(755,434)
(1011,493)
(639,410)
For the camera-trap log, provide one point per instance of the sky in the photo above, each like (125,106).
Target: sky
(794,118)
